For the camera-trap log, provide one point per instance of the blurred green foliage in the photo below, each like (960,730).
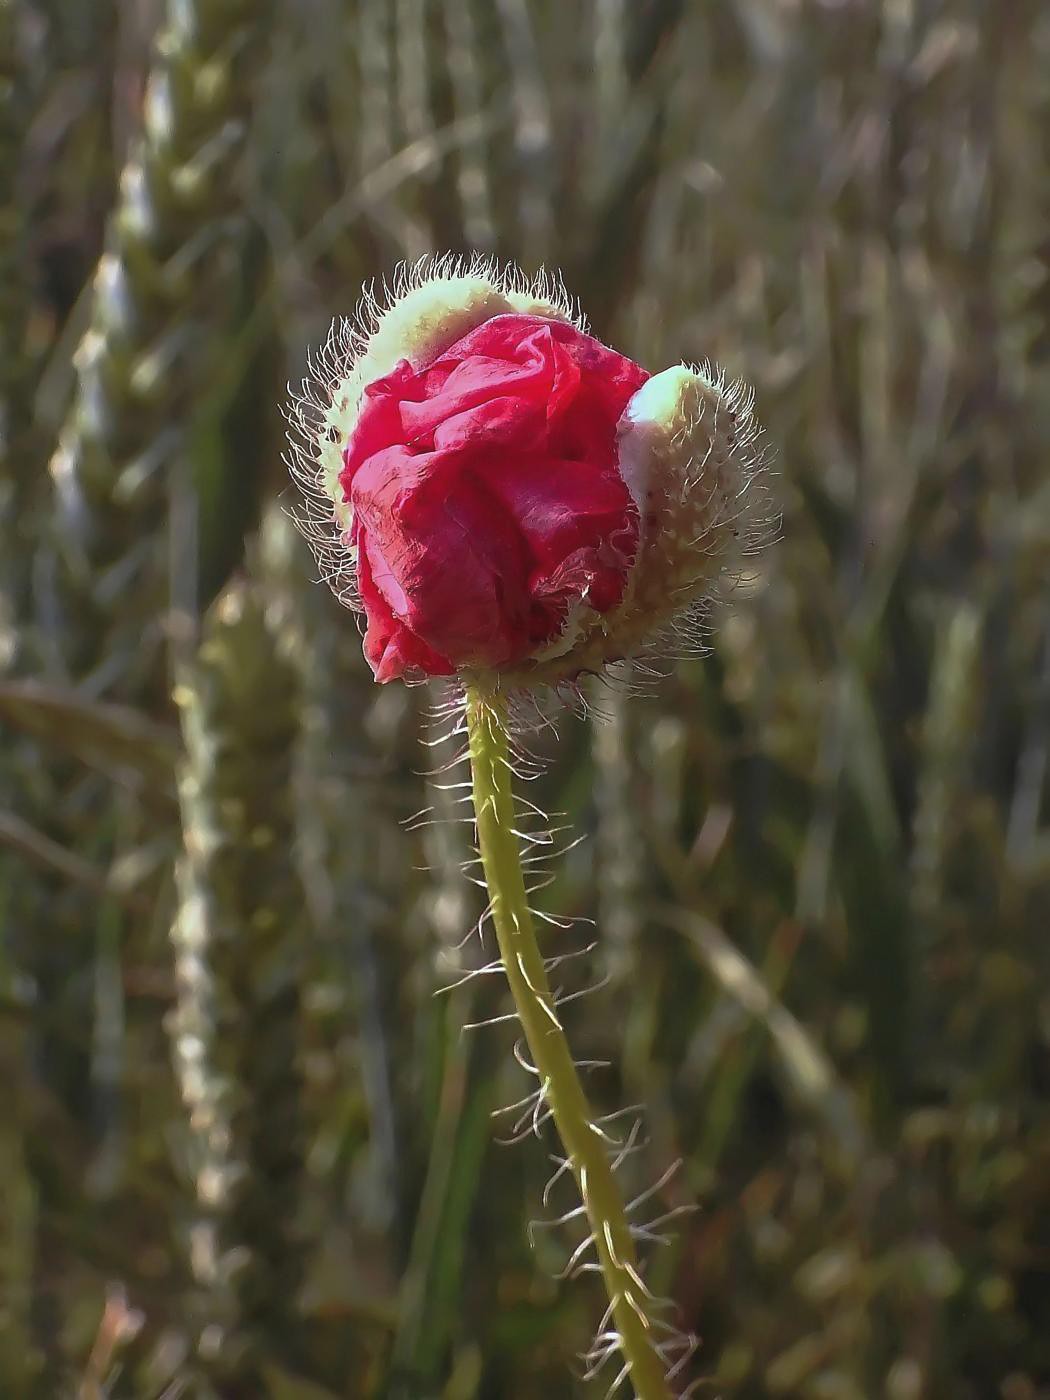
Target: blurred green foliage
(244,1149)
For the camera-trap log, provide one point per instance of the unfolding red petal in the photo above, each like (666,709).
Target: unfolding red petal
(486,496)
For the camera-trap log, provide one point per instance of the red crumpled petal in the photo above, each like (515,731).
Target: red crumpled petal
(390,648)
(487,497)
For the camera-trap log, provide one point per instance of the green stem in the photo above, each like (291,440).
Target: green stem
(584,1143)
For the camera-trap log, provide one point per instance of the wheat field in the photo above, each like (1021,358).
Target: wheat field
(245,1149)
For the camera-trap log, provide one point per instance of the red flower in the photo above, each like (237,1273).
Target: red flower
(500,493)
(486,496)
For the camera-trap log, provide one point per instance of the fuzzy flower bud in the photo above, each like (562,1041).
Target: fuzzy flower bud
(512,498)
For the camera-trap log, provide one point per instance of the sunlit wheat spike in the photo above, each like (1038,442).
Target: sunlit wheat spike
(136,375)
(235,1029)
(144,357)
(341,777)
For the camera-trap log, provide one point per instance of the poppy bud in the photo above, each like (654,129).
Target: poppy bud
(512,497)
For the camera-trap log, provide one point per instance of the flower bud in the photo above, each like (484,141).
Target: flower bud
(512,499)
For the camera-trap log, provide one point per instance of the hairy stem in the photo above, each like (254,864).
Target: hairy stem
(584,1142)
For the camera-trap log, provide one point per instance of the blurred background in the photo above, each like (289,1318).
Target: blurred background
(245,1151)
